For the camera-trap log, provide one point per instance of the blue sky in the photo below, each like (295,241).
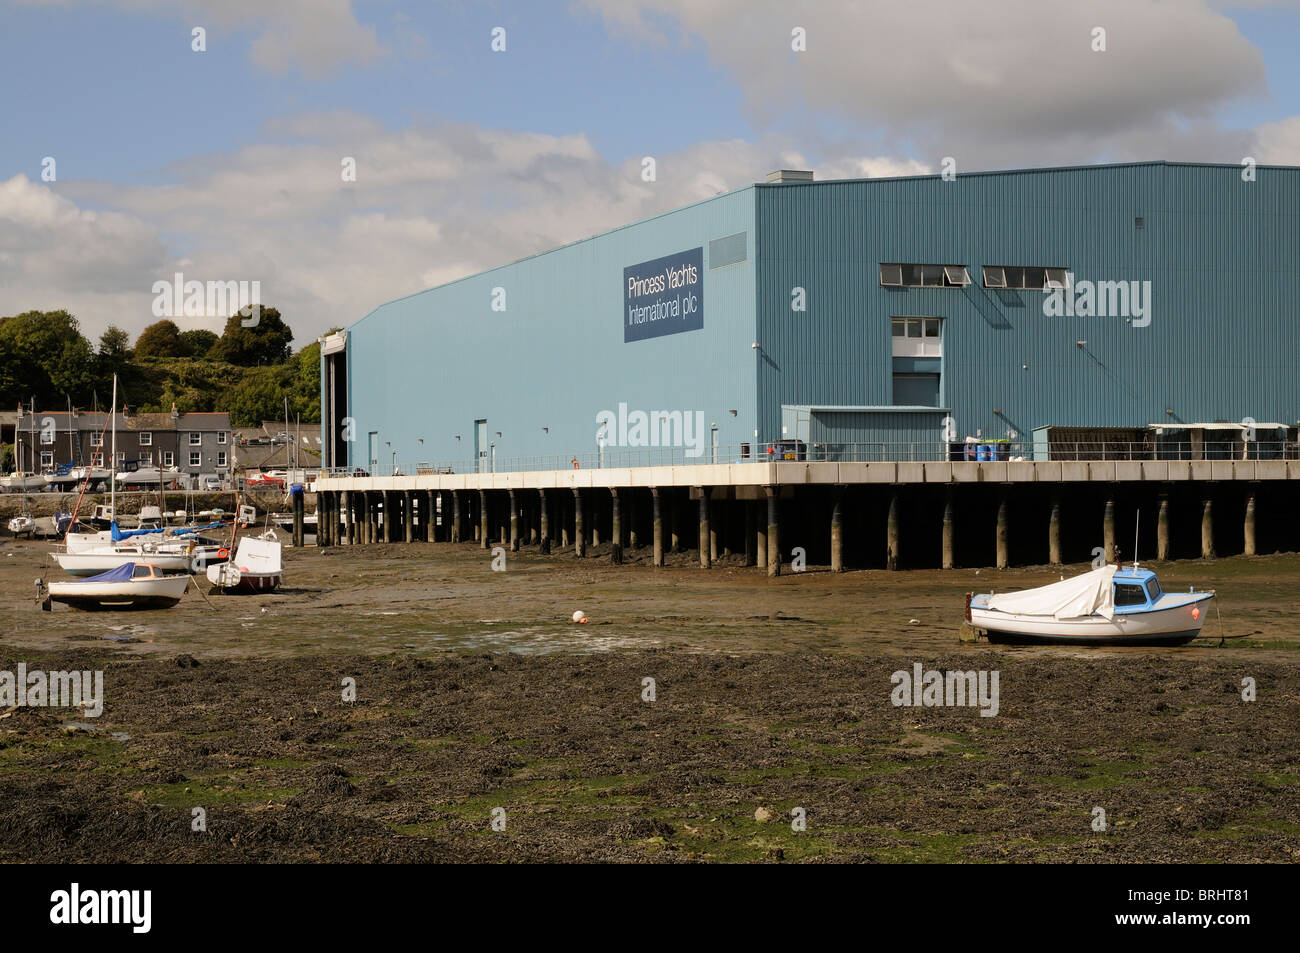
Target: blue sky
(224,164)
(138,98)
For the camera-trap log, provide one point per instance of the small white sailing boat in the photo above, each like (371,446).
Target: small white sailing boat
(256,567)
(22,525)
(17,482)
(104,558)
(129,586)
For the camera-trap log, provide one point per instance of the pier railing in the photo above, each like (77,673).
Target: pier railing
(794,451)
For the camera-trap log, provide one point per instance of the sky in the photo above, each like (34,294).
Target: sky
(127,155)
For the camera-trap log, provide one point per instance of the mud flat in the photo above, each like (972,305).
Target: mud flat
(475,692)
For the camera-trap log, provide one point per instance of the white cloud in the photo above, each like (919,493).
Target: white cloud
(1010,84)
(315,36)
(1278,143)
(430,204)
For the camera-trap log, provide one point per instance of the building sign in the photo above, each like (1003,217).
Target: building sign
(664,296)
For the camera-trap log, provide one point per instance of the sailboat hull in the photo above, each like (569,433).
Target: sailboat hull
(93,561)
(132,586)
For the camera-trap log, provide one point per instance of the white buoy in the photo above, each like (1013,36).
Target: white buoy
(579,616)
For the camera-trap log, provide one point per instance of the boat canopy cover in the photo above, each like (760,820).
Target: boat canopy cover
(121,534)
(1089,594)
(258,555)
(121,573)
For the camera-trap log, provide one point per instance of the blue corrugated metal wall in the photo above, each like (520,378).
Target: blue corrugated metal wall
(429,365)
(1223,257)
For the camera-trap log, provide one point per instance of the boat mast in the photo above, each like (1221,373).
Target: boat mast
(112,473)
(1137,528)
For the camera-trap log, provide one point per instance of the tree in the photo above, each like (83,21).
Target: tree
(115,345)
(304,393)
(44,356)
(160,339)
(266,342)
(198,343)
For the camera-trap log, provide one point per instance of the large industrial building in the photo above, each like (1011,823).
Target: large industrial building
(1135,313)
(891,314)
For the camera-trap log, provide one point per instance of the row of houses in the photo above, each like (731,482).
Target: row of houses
(193,443)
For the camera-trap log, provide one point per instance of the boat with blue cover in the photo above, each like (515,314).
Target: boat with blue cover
(128,586)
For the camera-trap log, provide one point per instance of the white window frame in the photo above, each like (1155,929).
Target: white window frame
(221,458)
(196,439)
(914,342)
(221,436)
(196,458)
(1053,279)
(941,276)
(168,458)
(96,439)
(146,459)
(146,438)
(47,458)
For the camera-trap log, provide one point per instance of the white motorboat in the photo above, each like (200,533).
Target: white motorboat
(285,522)
(256,567)
(128,586)
(1107,606)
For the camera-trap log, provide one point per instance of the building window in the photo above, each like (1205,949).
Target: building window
(898,275)
(47,458)
(221,437)
(1031,277)
(169,459)
(196,458)
(96,439)
(146,438)
(917,337)
(146,459)
(196,439)
(221,458)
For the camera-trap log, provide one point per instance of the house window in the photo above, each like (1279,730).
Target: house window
(898,275)
(47,458)
(146,459)
(196,458)
(221,458)
(1031,277)
(146,439)
(221,437)
(169,458)
(196,439)
(96,439)
(917,337)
